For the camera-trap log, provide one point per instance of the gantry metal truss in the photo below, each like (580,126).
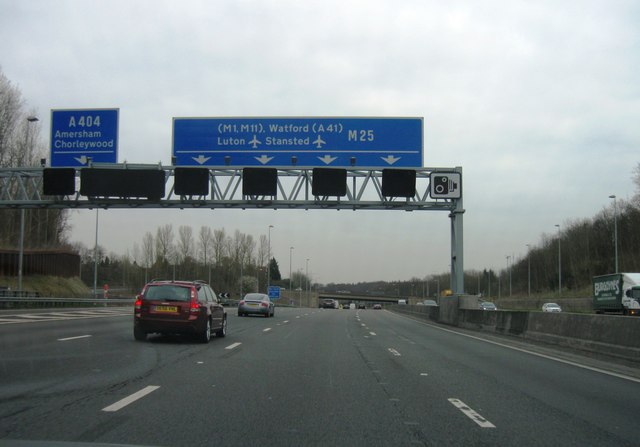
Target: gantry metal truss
(22,188)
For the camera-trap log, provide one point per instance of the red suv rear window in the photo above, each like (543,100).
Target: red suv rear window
(168,293)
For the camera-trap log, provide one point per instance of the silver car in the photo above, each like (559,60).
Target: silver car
(487,305)
(256,304)
(551,307)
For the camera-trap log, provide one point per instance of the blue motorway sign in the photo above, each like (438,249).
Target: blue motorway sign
(303,142)
(274,292)
(78,136)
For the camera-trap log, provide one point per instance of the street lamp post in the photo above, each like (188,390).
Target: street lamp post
(269,260)
(509,271)
(489,284)
(95,261)
(290,263)
(529,268)
(559,263)
(30,119)
(615,230)
(21,253)
(307,277)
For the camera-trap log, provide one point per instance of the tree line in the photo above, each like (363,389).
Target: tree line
(234,263)
(570,258)
(21,146)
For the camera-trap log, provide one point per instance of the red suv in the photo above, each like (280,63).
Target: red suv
(179,307)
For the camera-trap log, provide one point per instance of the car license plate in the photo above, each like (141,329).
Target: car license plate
(253,305)
(166,309)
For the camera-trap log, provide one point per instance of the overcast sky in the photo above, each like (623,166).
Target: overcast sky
(538,101)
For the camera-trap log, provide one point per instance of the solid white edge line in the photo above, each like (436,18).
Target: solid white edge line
(47,320)
(74,338)
(130,399)
(548,357)
(232,346)
(471,414)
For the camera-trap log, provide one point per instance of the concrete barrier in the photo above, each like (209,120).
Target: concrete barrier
(567,304)
(607,334)
(612,335)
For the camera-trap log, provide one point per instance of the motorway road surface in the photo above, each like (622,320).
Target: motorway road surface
(306,377)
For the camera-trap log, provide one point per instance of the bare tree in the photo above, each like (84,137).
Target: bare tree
(236,246)
(21,146)
(263,251)
(636,181)
(219,245)
(205,239)
(185,243)
(164,242)
(148,250)
(248,248)
(11,106)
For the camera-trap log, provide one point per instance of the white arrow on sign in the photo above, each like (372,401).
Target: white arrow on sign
(201,159)
(327,159)
(82,160)
(391,159)
(264,159)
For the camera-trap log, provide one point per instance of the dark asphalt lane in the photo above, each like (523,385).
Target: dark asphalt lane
(305,377)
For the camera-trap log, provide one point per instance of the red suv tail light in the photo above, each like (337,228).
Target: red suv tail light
(138,303)
(195,306)
(241,302)
(263,304)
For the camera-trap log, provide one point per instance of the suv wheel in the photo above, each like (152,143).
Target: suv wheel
(139,334)
(206,335)
(222,332)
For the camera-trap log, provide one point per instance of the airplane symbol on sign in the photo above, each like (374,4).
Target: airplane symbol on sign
(255,142)
(319,142)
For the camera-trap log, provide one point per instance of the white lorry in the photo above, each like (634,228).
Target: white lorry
(618,292)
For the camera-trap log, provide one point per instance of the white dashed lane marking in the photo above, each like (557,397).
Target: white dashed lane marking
(74,338)
(471,414)
(233,346)
(130,399)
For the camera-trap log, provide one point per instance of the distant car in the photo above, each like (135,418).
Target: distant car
(402,302)
(431,303)
(486,305)
(256,304)
(361,306)
(346,306)
(377,306)
(328,303)
(179,307)
(551,307)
